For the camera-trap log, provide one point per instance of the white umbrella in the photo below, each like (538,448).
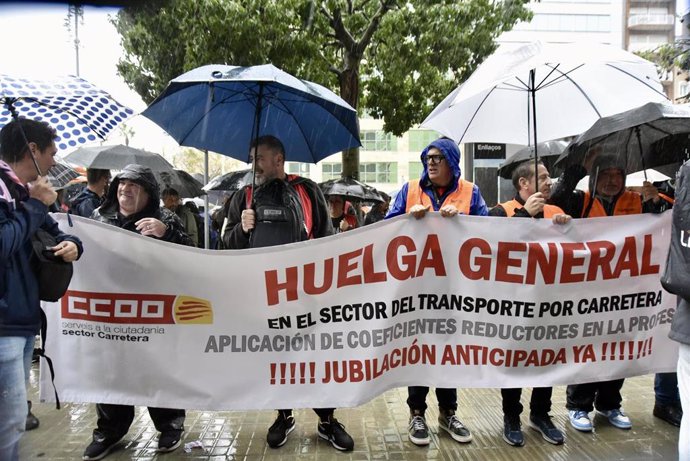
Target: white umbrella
(540,92)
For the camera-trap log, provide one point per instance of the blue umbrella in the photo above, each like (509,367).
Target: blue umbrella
(219,108)
(79,112)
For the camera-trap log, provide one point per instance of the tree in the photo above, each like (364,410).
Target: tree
(391,58)
(192,161)
(671,57)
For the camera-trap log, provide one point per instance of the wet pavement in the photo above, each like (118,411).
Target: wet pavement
(379,429)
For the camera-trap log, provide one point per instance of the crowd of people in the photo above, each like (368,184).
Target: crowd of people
(132,202)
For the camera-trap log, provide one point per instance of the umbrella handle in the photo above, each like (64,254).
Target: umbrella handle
(639,144)
(13,111)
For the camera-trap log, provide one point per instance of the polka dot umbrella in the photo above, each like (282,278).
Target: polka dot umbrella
(79,112)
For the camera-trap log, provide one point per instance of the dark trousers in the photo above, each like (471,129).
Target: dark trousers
(666,389)
(323,413)
(416,398)
(539,404)
(604,395)
(114,420)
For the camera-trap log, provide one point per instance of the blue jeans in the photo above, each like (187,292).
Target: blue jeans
(15,362)
(666,389)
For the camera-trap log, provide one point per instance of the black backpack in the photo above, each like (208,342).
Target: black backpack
(676,277)
(279,215)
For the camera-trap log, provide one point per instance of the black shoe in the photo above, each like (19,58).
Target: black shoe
(512,433)
(543,424)
(418,431)
(99,448)
(335,433)
(279,430)
(31,419)
(672,414)
(169,440)
(451,424)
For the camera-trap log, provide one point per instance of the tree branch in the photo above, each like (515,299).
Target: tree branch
(384,7)
(341,32)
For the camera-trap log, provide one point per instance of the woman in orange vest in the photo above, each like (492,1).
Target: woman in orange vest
(530,202)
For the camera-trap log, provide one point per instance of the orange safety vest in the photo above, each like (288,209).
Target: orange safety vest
(512,205)
(461,197)
(628,203)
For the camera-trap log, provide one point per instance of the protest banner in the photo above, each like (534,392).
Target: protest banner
(451,302)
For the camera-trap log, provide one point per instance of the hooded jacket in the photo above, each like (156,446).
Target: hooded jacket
(109,211)
(451,153)
(20,217)
(580,204)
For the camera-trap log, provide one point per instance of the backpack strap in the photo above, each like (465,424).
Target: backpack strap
(248,197)
(42,353)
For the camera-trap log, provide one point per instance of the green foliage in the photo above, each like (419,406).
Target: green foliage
(394,59)
(192,161)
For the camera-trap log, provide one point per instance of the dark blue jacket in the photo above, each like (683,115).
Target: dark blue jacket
(20,313)
(85,202)
(452,154)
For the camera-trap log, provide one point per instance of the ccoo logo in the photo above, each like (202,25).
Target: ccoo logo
(136,308)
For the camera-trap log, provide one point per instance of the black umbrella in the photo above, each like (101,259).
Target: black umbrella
(235,180)
(641,138)
(548,153)
(117,157)
(181,181)
(351,189)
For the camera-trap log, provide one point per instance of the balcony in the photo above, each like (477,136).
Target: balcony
(651,21)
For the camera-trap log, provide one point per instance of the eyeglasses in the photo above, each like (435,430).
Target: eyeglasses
(434,159)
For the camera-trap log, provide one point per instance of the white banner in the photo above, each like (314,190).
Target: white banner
(462,302)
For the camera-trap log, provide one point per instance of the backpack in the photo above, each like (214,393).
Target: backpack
(279,215)
(676,277)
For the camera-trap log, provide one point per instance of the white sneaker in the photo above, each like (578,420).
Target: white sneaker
(579,419)
(617,418)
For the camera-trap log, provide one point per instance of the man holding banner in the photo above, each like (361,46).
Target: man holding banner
(27,150)
(132,203)
(530,202)
(607,196)
(268,155)
(441,188)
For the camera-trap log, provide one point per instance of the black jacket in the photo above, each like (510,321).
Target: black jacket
(109,211)
(235,238)
(680,328)
(572,201)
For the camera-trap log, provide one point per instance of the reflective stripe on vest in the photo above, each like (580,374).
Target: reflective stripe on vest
(512,205)
(461,197)
(628,203)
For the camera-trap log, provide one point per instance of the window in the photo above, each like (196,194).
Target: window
(298,168)
(567,23)
(415,169)
(378,141)
(419,139)
(379,172)
(331,171)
